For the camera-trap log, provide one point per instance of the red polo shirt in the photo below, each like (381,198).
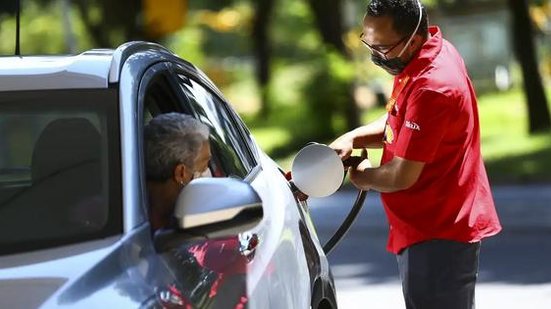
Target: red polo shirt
(435,121)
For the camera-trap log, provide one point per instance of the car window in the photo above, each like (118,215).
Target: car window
(59,168)
(249,144)
(160,97)
(226,140)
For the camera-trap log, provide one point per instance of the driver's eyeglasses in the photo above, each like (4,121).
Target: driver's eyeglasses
(373,49)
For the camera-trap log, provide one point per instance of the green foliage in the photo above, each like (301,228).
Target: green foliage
(309,104)
(310,86)
(42,31)
(511,154)
(293,31)
(187,43)
(108,23)
(328,92)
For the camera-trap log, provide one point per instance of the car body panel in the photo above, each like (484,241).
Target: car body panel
(133,193)
(50,272)
(155,51)
(88,70)
(277,279)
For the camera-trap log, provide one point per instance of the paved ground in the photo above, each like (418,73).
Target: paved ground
(515,266)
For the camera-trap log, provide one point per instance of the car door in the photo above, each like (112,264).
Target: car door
(208,273)
(277,275)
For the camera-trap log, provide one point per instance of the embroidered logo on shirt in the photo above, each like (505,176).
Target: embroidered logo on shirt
(412,125)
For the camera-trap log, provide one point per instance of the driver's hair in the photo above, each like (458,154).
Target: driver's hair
(404,14)
(171,139)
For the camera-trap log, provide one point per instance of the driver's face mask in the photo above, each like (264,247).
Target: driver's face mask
(201,174)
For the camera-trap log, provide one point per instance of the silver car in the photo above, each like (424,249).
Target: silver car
(74,230)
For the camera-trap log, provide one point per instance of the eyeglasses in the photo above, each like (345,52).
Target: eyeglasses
(372,49)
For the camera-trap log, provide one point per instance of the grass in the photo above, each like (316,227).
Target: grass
(511,155)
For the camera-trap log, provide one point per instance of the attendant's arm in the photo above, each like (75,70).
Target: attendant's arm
(368,136)
(396,175)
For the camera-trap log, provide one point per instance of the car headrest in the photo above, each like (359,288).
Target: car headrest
(64,144)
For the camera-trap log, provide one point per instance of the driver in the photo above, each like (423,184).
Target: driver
(177,150)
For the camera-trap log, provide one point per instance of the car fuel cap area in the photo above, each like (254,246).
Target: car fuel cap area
(317,170)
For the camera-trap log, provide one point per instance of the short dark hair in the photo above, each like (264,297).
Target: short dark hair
(404,13)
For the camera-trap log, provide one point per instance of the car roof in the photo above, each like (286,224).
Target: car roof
(87,70)
(96,68)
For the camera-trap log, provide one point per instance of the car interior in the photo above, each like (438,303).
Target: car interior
(56,184)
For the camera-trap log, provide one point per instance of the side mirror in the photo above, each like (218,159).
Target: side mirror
(218,207)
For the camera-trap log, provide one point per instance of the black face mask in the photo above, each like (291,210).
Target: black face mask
(393,66)
(396,65)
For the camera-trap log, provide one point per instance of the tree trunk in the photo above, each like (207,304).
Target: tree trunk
(264,10)
(329,20)
(99,34)
(538,110)
(328,14)
(119,16)
(132,30)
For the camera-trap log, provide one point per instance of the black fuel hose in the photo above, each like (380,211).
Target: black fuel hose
(347,223)
(352,215)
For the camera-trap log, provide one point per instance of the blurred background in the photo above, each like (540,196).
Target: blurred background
(296,71)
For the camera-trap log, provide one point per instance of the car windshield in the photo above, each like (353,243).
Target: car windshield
(59,168)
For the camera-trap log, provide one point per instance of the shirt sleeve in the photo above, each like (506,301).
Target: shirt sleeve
(428,115)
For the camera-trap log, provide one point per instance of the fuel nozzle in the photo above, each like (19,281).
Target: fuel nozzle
(352,161)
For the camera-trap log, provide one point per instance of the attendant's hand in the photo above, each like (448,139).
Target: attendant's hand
(343,146)
(357,174)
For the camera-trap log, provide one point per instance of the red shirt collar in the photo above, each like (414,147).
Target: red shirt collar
(428,52)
